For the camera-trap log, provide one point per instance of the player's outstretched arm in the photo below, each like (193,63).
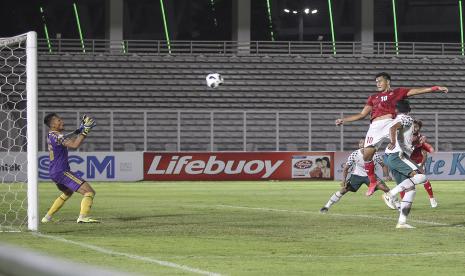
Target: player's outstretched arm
(74,143)
(424,90)
(345,172)
(87,124)
(427,147)
(393,135)
(356,117)
(386,175)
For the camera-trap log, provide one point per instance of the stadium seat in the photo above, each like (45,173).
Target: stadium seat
(273,83)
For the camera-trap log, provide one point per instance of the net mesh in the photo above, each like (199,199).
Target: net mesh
(13,142)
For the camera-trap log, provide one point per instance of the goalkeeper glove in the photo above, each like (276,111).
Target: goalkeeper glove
(87,124)
(87,121)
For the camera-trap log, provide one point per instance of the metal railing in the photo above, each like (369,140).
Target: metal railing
(238,130)
(315,48)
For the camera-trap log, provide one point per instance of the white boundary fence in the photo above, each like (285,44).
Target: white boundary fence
(316,129)
(315,48)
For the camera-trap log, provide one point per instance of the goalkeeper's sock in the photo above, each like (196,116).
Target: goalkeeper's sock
(59,202)
(334,199)
(86,204)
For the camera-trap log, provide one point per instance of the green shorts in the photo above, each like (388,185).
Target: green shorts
(400,166)
(356,181)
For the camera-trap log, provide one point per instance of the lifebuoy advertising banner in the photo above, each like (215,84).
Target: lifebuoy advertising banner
(238,165)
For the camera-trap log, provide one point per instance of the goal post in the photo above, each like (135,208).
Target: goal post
(19,133)
(32,131)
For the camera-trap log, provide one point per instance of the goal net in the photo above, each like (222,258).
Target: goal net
(18,133)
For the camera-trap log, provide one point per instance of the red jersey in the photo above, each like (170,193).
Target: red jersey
(385,102)
(419,143)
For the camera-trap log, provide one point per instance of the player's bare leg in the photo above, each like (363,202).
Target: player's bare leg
(368,154)
(57,204)
(88,192)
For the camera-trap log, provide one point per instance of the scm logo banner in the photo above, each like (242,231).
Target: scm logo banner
(100,166)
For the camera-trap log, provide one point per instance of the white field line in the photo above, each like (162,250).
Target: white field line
(310,256)
(329,214)
(130,256)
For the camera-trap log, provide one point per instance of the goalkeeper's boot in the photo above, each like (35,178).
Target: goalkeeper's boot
(404,226)
(87,220)
(49,220)
(324,210)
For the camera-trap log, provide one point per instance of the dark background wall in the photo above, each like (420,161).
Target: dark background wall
(418,20)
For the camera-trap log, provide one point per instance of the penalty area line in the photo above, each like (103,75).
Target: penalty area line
(130,256)
(329,214)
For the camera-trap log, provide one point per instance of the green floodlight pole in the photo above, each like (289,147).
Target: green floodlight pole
(332,26)
(79,27)
(46,30)
(270,22)
(212,2)
(123,44)
(461,28)
(394,15)
(165,24)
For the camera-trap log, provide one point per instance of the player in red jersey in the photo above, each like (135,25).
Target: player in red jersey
(419,156)
(381,106)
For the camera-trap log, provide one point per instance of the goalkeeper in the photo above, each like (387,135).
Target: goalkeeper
(59,170)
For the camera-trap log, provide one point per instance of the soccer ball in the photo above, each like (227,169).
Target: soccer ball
(214,80)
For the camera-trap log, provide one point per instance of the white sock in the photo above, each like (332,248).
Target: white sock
(419,179)
(406,205)
(408,183)
(404,185)
(333,199)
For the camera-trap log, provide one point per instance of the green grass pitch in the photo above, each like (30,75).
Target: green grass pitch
(255,228)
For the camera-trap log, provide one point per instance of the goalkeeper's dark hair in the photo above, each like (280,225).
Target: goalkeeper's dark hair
(403,106)
(48,118)
(385,75)
(419,123)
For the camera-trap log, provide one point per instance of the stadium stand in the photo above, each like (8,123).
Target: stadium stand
(167,84)
(252,82)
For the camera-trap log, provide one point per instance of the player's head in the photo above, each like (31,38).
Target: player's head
(54,122)
(361,143)
(403,107)
(417,124)
(383,81)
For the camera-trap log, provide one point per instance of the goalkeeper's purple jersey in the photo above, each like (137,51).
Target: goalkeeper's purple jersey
(58,154)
